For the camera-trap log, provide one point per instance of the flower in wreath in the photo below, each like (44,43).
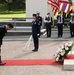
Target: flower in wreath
(62,47)
(57,58)
(66,48)
(63,52)
(66,44)
(70,44)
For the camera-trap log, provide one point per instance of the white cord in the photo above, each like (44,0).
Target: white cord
(27,45)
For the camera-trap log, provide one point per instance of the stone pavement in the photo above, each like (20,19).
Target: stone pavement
(14,50)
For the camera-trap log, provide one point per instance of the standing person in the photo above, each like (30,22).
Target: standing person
(3,31)
(39,18)
(72,24)
(48,19)
(60,23)
(35,32)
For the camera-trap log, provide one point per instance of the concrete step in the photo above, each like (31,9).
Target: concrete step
(22,28)
(29,27)
(21,32)
(16,23)
(28,32)
(18,32)
(64,29)
(68,64)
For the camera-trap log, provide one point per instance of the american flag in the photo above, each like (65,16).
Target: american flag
(62,5)
(55,5)
(54,10)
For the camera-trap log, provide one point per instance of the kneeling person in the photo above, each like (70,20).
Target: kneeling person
(3,31)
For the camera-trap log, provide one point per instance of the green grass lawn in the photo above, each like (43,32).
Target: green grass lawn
(12,14)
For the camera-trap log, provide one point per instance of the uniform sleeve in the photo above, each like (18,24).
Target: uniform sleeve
(41,20)
(63,20)
(51,21)
(38,27)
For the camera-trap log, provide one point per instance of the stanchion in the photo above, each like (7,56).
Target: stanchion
(27,45)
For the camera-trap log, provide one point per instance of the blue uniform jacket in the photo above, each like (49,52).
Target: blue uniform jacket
(35,27)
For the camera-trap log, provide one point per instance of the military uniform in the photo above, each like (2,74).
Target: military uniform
(35,33)
(39,18)
(48,25)
(60,22)
(72,25)
(3,31)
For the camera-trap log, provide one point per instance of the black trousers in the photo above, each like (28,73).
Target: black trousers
(60,30)
(0,53)
(71,29)
(36,41)
(48,29)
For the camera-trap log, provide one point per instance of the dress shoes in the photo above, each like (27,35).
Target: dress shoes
(2,63)
(35,50)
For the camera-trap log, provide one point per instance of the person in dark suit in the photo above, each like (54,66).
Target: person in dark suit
(35,32)
(48,19)
(71,23)
(3,31)
(39,18)
(60,22)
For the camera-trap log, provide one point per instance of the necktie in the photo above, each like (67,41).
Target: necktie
(60,19)
(48,18)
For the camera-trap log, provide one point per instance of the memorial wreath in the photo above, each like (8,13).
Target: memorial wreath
(63,51)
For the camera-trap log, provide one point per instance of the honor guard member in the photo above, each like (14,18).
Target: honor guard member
(48,19)
(60,22)
(39,18)
(35,32)
(72,24)
(3,31)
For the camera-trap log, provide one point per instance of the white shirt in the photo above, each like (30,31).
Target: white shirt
(49,17)
(71,18)
(60,16)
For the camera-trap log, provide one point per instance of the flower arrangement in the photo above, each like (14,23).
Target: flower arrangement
(63,51)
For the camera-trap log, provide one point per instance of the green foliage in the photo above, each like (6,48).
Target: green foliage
(70,1)
(9,1)
(11,4)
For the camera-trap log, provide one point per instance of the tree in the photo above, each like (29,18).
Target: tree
(9,2)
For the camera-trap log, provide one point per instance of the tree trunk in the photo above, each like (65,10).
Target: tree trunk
(9,6)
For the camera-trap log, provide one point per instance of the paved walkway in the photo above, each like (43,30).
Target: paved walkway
(14,50)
